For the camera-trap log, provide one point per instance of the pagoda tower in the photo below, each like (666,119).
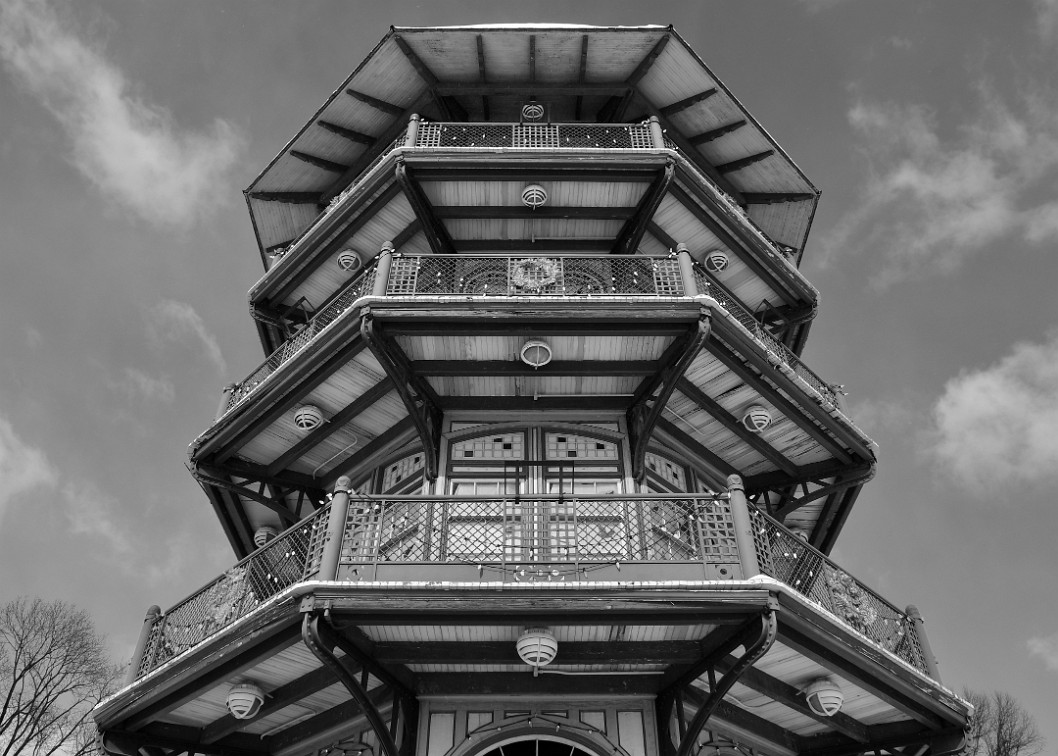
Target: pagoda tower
(533,466)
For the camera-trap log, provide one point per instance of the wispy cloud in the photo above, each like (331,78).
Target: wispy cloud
(93,513)
(135,384)
(996,426)
(23,468)
(129,148)
(1046,649)
(172,321)
(1046,17)
(938,197)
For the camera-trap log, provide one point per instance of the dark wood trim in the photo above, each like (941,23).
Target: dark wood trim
(292,198)
(385,107)
(772,198)
(210,477)
(344,714)
(520,170)
(346,133)
(482,73)
(259,474)
(582,72)
(707,136)
(543,403)
(685,103)
(327,165)
(631,234)
(737,165)
(735,426)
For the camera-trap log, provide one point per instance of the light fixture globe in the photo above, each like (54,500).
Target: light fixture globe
(824,697)
(535,353)
(534,196)
(307,417)
(263,535)
(349,260)
(716,261)
(756,418)
(532,111)
(245,700)
(537,647)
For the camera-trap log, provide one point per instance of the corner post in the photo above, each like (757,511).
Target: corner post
(225,398)
(747,549)
(385,262)
(153,613)
(413,130)
(683,256)
(656,136)
(339,514)
(915,617)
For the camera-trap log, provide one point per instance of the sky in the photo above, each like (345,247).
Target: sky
(128,129)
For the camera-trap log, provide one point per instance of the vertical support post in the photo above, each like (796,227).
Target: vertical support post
(656,136)
(153,614)
(747,549)
(915,617)
(225,397)
(413,130)
(339,514)
(683,256)
(385,261)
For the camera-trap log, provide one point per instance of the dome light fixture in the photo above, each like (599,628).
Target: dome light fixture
(307,417)
(349,260)
(535,353)
(245,700)
(824,697)
(263,535)
(716,261)
(532,111)
(534,196)
(756,418)
(537,647)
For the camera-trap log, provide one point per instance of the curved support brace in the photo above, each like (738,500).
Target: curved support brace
(641,420)
(436,233)
(311,634)
(754,650)
(631,234)
(421,407)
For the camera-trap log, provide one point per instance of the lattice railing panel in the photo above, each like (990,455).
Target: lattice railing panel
(288,559)
(790,559)
(551,136)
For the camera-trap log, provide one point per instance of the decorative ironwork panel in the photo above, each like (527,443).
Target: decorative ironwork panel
(464,135)
(536,135)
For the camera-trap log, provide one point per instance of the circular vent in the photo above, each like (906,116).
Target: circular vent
(824,697)
(245,700)
(716,261)
(263,535)
(533,111)
(757,418)
(349,260)
(308,417)
(536,353)
(534,196)
(537,646)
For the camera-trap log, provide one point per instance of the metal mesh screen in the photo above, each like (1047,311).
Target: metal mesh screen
(536,135)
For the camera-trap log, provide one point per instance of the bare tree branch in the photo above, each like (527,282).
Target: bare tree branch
(1001,727)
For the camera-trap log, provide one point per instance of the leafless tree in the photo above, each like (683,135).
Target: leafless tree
(1001,727)
(54,668)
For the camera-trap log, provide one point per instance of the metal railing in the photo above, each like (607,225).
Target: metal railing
(630,136)
(290,558)
(535,275)
(788,558)
(521,530)
(777,351)
(547,536)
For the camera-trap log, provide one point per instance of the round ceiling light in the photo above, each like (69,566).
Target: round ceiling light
(245,700)
(534,196)
(532,111)
(756,418)
(263,535)
(716,261)
(537,646)
(824,697)
(536,353)
(307,417)
(349,260)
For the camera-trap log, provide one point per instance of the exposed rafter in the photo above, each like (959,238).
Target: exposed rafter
(687,102)
(482,74)
(737,165)
(708,136)
(346,133)
(377,104)
(582,72)
(327,165)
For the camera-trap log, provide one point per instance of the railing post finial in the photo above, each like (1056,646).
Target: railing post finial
(914,616)
(747,549)
(153,613)
(413,130)
(656,135)
(385,260)
(332,548)
(686,262)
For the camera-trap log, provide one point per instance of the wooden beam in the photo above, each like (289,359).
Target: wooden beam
(631,234)
(400,431)
(345,133)
(737,165)
(531,245)
(583,652)
(582,72)
(540,327)
(519,368)
(645,64)
(474,212)
(687,102)
(539,402)
(327,165)
(735,426)
(130,744)
(772,198)
(525,88)
(681,437)
(217,479)
(292,198)
(335,423)
(505,683)
(692,153)
(708,136)
(343,715)
(532,58)
(377,104)
(436,233)
(516,171)
(482,74)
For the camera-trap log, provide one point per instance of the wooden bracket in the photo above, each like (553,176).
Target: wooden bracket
(436,233)
(632,232)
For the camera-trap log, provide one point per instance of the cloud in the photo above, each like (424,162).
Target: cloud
(22,468)
(995,426)
(173,322)
(1046,649)
(130,149)
(92,513)
(135,383)
(938,198)
(1046,17)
